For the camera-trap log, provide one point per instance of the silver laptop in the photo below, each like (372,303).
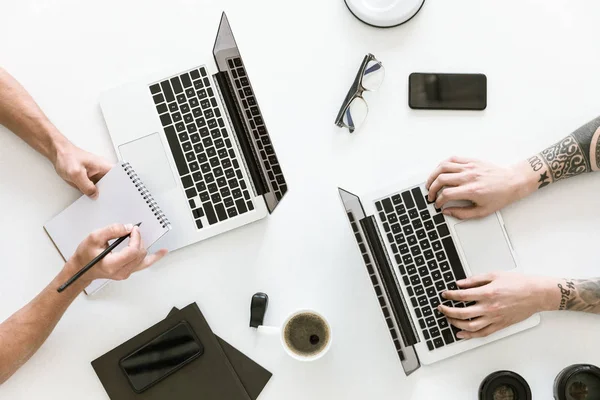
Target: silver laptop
(199,143)
(412,253)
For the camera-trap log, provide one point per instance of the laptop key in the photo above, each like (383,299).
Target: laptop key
(430,344)
(439,219)
(419,260)
(427,311)
(187,181)
(443,323)
(430,321)
(423,272)
(443,230)
(404,220)
(434,331)
(415,280)
(431,292)
(440,256)
(419,290)
(453,258)
(427,281)
(191,192)
(448,277)
(429,225)
(166,89)
(241,206)
(448,336)
(408,230)
(422,323)
(423,301)
(439,286)
(408,200)
(387,206)
(178,156)
(221,213)
(411,269)
(428,254)
(421,205)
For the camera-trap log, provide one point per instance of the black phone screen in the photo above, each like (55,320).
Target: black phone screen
(447,91)
(161,357)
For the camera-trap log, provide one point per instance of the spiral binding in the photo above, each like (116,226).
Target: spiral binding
(146,195)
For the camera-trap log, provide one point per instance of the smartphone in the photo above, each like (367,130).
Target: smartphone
(161,357)
(447,91)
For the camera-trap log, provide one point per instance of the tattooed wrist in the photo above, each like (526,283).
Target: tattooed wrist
(565,294)
(536,163)
(580,295)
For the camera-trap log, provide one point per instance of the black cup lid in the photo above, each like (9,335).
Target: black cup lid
(499,379)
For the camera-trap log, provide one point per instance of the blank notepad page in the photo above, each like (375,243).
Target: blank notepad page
(122,199)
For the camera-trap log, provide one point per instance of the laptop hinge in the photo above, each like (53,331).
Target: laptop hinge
(240,132)
(390,281)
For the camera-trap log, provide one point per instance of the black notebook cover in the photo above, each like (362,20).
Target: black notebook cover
(211,376)
(254,377)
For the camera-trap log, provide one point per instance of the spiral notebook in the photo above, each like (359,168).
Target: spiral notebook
(123,198)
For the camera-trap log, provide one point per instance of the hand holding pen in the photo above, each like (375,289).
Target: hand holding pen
(95,252)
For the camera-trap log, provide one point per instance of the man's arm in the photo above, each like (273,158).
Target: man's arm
(491,188)
(22,334)
(506,298)
(577,153)
(580,295)
(20,113)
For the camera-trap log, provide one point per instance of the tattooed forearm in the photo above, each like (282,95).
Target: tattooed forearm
(595,155)
(580,295)
(577,153)
(566,159)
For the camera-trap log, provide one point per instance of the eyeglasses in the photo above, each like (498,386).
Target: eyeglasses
(354,110)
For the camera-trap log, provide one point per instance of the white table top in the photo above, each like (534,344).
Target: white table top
(542,65)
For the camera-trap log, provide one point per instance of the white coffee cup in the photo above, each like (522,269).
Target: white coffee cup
(286,342)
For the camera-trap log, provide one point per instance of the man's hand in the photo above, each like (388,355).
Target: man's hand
(117,265)
(502,299)
(487,186)
(80,169)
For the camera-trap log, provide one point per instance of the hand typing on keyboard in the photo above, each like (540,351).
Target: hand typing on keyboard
(501,299)
(486,185)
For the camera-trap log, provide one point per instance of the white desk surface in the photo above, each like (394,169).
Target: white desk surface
(542,65)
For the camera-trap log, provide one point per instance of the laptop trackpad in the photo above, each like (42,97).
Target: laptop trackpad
(148,158)
(484,245)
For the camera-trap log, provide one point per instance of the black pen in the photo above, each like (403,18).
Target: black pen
(95,261)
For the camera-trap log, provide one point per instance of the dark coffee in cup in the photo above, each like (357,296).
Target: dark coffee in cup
(306,334)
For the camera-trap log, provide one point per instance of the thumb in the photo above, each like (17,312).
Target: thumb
(464,212)
(83,183)
(114,231)
(474,281)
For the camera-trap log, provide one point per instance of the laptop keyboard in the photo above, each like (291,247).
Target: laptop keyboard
(427,259)
(259,130)
(202,149)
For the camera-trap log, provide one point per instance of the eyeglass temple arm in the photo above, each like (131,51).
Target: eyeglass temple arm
(355,90)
